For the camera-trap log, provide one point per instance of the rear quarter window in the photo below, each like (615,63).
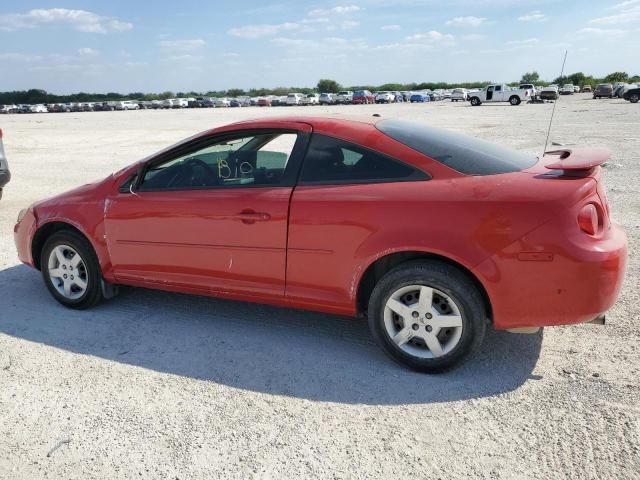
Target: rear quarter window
(463,153)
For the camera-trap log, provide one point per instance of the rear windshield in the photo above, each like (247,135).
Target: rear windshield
(466,154)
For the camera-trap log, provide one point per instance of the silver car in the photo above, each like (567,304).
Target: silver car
(5,174)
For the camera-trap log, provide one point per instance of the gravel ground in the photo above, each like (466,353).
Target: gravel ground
(153,385)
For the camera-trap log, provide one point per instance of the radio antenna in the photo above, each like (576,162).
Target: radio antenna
(546,142)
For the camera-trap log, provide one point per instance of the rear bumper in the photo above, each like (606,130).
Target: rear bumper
(573,282)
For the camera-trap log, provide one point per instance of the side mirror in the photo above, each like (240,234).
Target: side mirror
(127,186)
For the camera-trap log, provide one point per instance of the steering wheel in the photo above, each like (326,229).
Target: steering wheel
(187,175)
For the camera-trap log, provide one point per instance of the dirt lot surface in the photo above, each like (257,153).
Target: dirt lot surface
(153,385)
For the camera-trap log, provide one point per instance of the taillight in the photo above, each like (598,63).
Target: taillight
(590,219)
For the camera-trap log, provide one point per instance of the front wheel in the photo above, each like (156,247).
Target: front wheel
(475,101)
(71,271)
(634,98)
(427,316)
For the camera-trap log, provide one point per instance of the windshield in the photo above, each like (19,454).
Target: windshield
(466,154)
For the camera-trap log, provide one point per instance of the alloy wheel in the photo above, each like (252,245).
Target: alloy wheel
(423,322)
(67,272)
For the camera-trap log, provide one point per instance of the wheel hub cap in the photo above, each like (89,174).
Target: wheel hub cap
(433,332)
(67,272)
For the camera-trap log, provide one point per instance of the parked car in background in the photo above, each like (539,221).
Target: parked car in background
(39,108)
(549,93)
(8,108)
(168,103)
(5,174)
(264,101)
(235,102)
(632,95)
(127,105)
(420,97)
(529,86)
(567,89)
(363,97)
(459,95)
(222,102)
(103,107)
(344,97)
(385,97)
(294,98)
(327,99)
(576,89)
(603,90)
(311,99)
(195,103)
(279,101)
(501,93)
(320,214)
(618,91)
(586,89)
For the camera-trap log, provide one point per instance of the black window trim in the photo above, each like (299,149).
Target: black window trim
(292,170)
(418,175)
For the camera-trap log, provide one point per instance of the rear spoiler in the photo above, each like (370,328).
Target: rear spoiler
(577,159)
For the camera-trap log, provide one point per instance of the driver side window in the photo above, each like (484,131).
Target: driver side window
(257,160)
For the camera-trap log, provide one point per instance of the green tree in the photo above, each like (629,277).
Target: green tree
(328,86)
(530,77)
(617,77)
(561,80)
(235,92)
(577,78)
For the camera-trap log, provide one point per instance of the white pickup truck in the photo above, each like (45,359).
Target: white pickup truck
(500,93)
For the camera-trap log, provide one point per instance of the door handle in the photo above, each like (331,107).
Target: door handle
(249,216)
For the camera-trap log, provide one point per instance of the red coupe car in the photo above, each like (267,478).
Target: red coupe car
(433,235)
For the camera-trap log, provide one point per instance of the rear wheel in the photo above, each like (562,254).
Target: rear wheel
(427,315)
(514,100)
(71,271)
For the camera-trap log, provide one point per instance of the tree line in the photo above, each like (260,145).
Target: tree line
(34,96)
(580,79)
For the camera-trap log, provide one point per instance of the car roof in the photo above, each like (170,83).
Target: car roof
(316,122)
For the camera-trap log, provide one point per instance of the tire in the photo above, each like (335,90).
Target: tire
(475,101)
(88,270)
(454,298)
(634,98)
(515,100)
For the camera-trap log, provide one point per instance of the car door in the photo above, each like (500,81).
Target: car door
(498,94)
(490,93)
(210,216)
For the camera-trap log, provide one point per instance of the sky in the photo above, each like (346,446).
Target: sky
(66,46)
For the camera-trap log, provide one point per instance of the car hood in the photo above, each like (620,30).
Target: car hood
(88,193)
